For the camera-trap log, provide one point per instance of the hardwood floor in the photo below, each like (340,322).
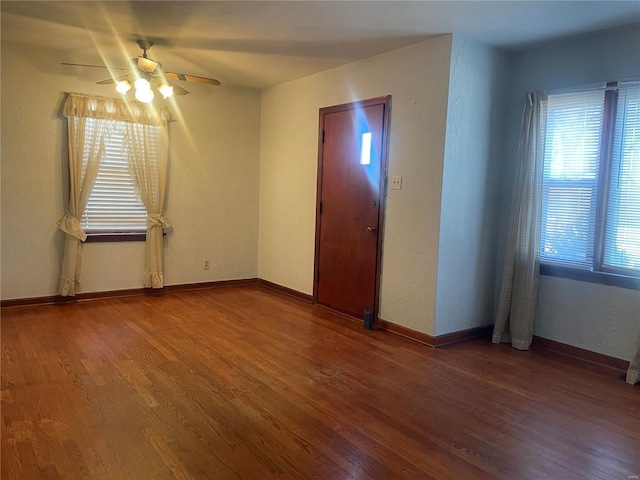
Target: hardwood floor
(247,383)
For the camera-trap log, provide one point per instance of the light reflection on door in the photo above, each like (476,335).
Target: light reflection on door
(365,149)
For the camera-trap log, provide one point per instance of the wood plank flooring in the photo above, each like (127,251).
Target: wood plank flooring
(247,383)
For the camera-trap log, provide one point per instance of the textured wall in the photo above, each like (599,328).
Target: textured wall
(417,78)
(213,191)
(470,186)
(590,316)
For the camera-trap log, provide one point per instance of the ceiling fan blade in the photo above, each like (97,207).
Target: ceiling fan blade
(191,78)
(146,64)
(94,66)
(109,81)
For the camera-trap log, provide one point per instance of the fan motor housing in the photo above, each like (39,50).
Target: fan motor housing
(145,45)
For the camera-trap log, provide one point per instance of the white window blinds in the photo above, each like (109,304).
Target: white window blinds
(622,232)
(570,178)
(113,206)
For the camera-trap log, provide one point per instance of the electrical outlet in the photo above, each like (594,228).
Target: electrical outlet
(396,182)
(205,265)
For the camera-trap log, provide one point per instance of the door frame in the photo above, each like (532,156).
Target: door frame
(386,101)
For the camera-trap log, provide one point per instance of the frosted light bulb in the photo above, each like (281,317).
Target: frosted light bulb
(142,84)
(144,96)
(166,90)
(123,87)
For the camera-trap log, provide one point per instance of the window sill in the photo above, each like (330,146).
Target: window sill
(116,237)
(581,275)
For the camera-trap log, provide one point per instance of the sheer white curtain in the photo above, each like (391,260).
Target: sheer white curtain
(86,149)
(519,290)
(633,373)
(148,167)
(89,118)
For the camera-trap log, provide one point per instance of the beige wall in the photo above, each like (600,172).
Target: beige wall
(417,79)
(213,191)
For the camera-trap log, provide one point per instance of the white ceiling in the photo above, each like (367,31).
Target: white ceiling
(258,44)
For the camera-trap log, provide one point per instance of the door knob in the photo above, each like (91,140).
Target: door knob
(371,229)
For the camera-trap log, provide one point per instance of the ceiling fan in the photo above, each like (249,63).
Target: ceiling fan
(143,72)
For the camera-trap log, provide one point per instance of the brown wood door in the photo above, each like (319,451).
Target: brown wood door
(351,177)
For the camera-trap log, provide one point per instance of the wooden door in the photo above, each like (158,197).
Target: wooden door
(351,178)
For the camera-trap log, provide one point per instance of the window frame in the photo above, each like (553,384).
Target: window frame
(599,273)
(116,237)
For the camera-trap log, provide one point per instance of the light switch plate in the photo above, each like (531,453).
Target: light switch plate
(396,182)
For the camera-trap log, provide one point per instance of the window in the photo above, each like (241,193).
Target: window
(591,181)
(113,206)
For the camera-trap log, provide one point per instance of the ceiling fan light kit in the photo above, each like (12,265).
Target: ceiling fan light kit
(143,90)
(145,71)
